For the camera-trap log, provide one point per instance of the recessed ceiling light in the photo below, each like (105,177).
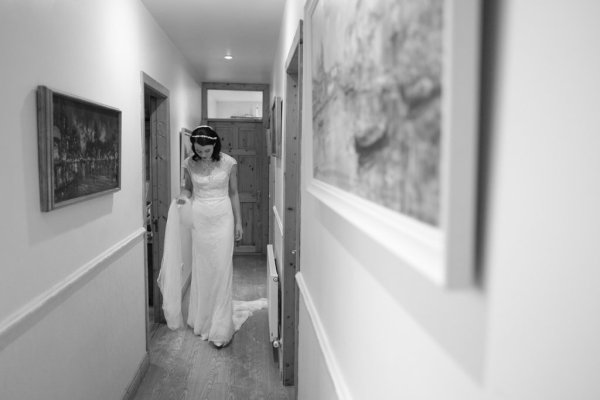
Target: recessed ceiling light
(228,57)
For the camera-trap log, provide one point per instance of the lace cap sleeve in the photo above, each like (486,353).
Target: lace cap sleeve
(229,161)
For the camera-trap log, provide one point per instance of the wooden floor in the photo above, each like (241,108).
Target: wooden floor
(182,366)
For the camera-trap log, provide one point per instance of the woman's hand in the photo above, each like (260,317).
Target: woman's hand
(239,232)
(181,200)
(184,196)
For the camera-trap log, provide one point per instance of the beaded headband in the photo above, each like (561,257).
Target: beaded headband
(197,135)
(204,136)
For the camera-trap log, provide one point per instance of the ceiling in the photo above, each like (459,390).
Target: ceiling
(206,30)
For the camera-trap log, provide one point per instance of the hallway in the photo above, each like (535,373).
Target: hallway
(374,318)
(184,367)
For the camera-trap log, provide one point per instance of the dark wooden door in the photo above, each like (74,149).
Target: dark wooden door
(245,141)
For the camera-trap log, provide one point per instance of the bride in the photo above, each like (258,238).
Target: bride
(210,183)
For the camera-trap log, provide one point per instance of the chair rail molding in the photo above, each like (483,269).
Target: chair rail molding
(31,313)
(333,367)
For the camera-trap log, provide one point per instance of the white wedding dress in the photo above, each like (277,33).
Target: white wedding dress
(212,313)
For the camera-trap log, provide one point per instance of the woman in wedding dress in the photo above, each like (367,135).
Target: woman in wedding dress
(210,183)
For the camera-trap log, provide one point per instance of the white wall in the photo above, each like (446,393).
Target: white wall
(544,219)
(89,345)
(529,330)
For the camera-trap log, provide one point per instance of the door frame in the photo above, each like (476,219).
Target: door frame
(244,87)
(291,202)
(161,92)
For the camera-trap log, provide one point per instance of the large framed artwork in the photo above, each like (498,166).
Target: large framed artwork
(79,149)
(393,88)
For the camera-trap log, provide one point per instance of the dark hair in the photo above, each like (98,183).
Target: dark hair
(205,135)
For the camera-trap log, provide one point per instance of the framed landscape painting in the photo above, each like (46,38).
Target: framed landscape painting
(79,149)
(393,88)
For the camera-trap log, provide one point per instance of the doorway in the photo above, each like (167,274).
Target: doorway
(157,188)
(291,219)
(243,136)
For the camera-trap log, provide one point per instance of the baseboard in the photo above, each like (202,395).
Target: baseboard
(335,373)
(39,307)
(137,379)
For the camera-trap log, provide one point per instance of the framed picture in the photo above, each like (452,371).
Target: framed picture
(275,126)
(268,140)
(185,146)
(394,92)
(79,149)
(185,149)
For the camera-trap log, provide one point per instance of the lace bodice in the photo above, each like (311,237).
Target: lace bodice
(210,180)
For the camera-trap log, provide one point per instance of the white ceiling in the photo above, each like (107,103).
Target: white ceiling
(205,30)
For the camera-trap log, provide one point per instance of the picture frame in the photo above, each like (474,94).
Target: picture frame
(275,126)
(439,241)
(185,146)
(79,149)
(185,149)
(268,141)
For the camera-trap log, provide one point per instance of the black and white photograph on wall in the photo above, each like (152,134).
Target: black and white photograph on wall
(376,109)
(79,144)
(394,87)
(185,147)
(275,126)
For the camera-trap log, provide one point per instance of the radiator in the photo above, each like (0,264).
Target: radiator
(273,296)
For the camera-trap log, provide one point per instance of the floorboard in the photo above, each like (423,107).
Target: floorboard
(184,367)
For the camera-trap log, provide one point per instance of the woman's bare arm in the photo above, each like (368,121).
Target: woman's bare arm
(186,189)
(235,202)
